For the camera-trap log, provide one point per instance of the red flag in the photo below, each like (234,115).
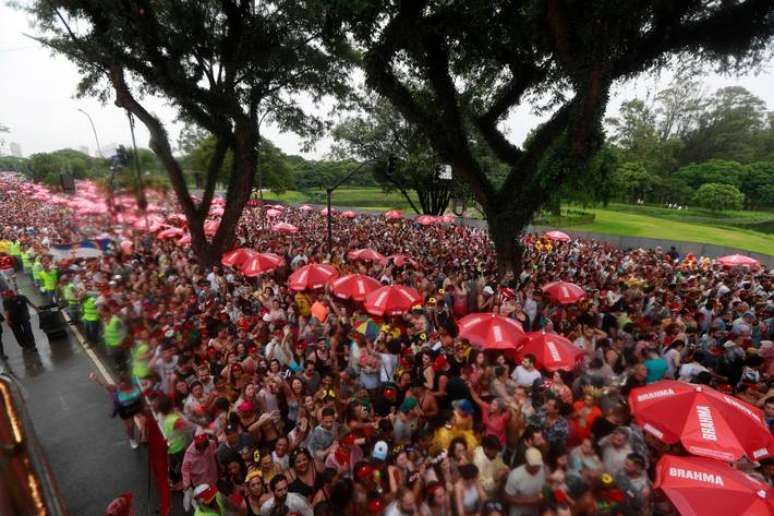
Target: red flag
(157,462)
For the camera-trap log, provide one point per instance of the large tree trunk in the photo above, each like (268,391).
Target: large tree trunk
(504,231)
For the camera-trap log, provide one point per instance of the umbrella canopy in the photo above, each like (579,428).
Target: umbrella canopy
(698,486)
(354,286)
(324,211)
(349,214)
(169,233)
(401,260)
(185,239)
(305,207)
(261,263)
(365,255)
(426,220)
(312,276)
(273,212)
(492,331)
(284,227)
(705,421)
(237,257)
(392,300)
(368,328)
(393,215)
(447,218)
(564,293)
(558,236)
(734,260)
(552,352)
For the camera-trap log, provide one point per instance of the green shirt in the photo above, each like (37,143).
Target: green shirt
(49,278)
(114,332)
(90,309)
(177,440)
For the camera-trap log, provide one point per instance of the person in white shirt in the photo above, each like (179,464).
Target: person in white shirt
(525,373)
(524,487)
(294,502)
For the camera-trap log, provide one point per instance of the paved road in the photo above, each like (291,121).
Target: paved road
(87,450)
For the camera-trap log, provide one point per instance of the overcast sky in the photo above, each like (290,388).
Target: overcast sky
(37,100)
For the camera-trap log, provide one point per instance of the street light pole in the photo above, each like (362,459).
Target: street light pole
(94,130)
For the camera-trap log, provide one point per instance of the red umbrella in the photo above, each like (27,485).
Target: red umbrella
(735,260)
(564,293)
(261,263)
(354,286)
(366,255)
(447,218)
(401,260)
(393,215)
(169,233)
(185,239)
(392,300)
(273,212)
(305,207)
(312,276)
(557,235)
(552,351)
(698,486)
(237,257)
(324,211)
(284,227)
(707,422)
(426,220)
(492,331)
(349,214)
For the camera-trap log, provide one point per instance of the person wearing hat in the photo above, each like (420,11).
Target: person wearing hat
(209,501)
(199,463)
(524,487)
(407,421)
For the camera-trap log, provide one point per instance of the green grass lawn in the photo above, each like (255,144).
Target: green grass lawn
(615,222)
(693,225)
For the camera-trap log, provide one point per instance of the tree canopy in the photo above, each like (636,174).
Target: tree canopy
(456,69)
(226,66)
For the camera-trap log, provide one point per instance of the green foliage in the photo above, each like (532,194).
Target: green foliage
(46,166)
(634,180)
(13,164)
(713,171)
(757,184)
(719,197)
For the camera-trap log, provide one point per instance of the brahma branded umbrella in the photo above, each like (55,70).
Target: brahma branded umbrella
(273,212)
(312,276)
(354,286)
(564,293)
(426,220)
(552,352)
(401,260)
(393,215)
(261,263)
(492,331)
(707,422)
(699,486)
(392,300)
(349,214)
(237,257)
(558,236)
(736,260)
(284,227)
(365,255)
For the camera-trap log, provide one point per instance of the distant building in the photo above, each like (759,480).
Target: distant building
(16,150)
(84,149)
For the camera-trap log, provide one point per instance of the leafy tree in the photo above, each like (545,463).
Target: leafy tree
(713,171)
(457,68)
(719,197)
(380,132)
(729,128)
(757,184)
(634,181)
(224,65)
(14,164)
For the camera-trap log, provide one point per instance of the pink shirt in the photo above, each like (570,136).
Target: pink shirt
(200,467)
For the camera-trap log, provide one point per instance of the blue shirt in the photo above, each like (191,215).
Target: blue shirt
(657,368)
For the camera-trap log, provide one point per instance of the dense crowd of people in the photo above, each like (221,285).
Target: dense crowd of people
(276,401)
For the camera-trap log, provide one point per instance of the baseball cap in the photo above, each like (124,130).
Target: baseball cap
(380,451)
(205,493)
(408,404)
(533,457)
